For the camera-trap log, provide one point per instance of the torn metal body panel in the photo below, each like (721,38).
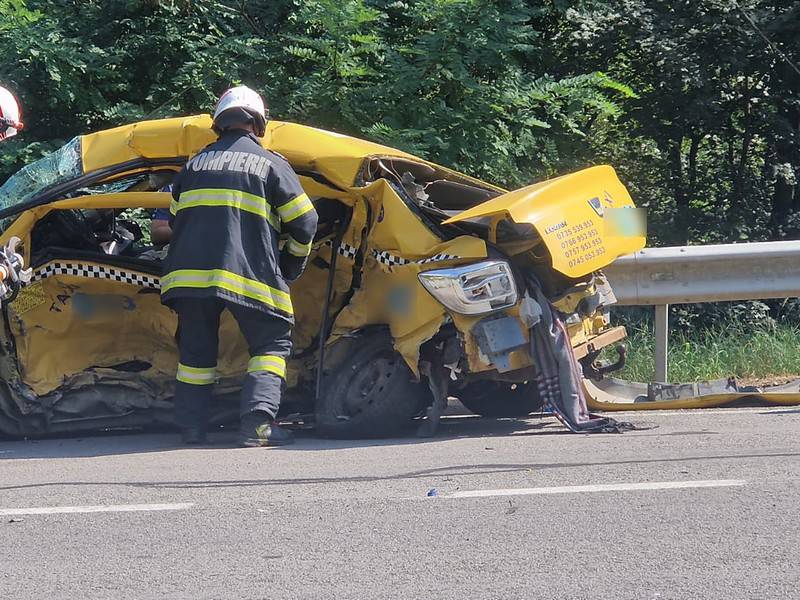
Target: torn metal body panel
(612,394)
(430,273)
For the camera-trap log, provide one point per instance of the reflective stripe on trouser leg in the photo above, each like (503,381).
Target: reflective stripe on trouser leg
(196,375)
(193,395)
(264,382)
(269,363)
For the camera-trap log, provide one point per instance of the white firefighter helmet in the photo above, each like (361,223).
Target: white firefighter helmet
(9,114)
(240,104)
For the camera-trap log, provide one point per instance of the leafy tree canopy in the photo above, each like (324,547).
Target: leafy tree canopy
(697,103)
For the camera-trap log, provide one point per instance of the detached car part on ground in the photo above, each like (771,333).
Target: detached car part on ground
(422,282)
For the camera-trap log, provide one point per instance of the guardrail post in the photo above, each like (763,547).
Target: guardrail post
(662,340)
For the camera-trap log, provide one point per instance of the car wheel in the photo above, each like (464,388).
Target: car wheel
(371,393)
(497,399)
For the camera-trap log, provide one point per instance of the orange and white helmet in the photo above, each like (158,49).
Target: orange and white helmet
(9,114)
(240,104)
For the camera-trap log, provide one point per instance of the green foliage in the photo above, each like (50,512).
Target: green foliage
(712,144)
(15,13)
(474,84)
(143,218)
(716,354)
(697,111)
(749,316)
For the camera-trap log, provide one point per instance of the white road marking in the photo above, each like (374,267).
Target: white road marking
(608,487)
(741,410)
(56,510)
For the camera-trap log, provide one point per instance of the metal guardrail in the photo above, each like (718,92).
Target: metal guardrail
(687,274)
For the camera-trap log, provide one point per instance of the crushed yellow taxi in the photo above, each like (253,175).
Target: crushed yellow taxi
(415,270)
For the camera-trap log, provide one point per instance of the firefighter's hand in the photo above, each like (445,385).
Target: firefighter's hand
(291,266)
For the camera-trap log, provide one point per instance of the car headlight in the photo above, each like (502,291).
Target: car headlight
(475,289)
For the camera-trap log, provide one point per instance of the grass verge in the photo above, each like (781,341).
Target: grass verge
(717,353)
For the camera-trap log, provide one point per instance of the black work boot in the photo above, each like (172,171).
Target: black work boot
(192,436)
(257,429)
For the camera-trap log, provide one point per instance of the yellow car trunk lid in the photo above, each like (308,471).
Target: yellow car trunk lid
(585,219)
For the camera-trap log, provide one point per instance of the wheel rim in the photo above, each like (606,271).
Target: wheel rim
(366,384)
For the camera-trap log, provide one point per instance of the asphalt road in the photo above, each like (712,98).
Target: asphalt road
(703,505)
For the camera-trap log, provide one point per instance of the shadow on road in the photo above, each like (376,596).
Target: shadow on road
(121,442)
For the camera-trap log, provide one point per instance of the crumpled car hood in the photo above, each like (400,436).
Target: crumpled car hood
(571,215)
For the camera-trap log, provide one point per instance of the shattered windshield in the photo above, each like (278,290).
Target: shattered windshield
(131,182)
(57,167)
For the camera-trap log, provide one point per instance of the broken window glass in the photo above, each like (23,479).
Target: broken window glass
(57,167)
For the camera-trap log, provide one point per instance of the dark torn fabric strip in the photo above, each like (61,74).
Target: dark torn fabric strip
(558,374)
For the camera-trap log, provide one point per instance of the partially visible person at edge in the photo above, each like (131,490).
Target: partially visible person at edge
(160,231)
(10,113)
(232,202)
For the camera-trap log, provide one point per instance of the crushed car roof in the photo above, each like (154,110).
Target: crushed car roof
(333,159)
(337,157)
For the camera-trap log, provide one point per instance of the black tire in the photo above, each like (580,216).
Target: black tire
(370,393)
(497,399)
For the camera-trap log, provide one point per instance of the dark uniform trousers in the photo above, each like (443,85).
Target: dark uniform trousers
(269,341)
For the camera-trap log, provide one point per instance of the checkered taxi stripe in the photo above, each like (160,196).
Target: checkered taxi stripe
(391,260)
(152,281)
(96,272)
(345,249)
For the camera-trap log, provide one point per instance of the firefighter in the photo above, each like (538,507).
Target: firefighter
(231,204)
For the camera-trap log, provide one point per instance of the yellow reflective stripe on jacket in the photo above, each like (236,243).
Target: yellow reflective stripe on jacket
(295,208)
(201,278)
(267,362)
(295,248)
(251,203)
(173,207)
(196,375)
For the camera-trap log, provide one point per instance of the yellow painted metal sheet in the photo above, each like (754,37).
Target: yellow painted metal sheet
(568,214)
(68,324)
(44,312)
(338,157)
(598,399)
(117,200)
(402,234)
(390,293)
(166,138)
